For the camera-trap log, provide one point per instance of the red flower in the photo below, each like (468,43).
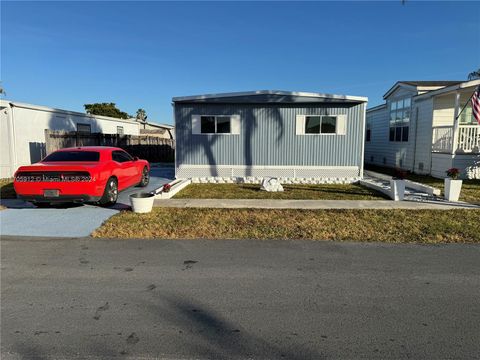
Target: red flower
(399,174)
(167,187)
(453,173)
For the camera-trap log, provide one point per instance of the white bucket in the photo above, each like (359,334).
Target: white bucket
(142,202)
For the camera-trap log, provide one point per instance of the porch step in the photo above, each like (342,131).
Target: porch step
(409,184)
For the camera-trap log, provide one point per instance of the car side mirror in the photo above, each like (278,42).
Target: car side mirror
(135,158)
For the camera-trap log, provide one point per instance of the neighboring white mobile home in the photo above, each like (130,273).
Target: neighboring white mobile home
(22,131)
(416,129)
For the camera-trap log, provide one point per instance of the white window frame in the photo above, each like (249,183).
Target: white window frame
(336,133)
(392,107)
(234,127)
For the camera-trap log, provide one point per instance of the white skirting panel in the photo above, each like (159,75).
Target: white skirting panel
(286,174)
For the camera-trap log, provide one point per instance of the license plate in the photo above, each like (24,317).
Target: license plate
(51,193)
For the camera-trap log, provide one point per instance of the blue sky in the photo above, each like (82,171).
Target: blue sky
(66,54)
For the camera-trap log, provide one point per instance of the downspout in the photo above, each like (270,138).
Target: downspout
(362,152)
(175,149)
(415,142)
(13,137)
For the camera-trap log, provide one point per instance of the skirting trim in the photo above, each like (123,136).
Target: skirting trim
(255,174)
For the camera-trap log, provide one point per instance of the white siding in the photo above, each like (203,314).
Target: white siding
(379,150)
(400,93)
(440,164)
(422,116)
(444,108)
(6,169)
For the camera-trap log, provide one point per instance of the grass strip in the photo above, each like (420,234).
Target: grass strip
(291,192)
(420,226)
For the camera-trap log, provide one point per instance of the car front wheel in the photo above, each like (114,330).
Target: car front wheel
(110,195)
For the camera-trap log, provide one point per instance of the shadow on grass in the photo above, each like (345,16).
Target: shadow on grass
(303,191)
(6,189)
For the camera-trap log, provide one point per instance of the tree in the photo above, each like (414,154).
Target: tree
(2,90)
(106,109)
(141,115)
(474,75)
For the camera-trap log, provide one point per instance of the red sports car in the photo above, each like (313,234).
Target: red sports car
(82,174)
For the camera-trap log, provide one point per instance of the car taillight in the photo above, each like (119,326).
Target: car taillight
(50,176)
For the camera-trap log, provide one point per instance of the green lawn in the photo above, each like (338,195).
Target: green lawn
(303,192)
(420,226)
(6,189)
(470,188)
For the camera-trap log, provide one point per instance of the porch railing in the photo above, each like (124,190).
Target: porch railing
(468,139)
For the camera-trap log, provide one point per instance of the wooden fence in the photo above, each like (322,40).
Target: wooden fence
(151,148)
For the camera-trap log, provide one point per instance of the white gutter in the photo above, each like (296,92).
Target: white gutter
(362,152)
(271,92)
(378,107)
(75,113)
(448,89)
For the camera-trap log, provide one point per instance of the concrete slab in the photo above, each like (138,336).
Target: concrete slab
(59,222)
(308,204)
(73,220)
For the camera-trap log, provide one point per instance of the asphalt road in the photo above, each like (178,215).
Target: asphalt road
(100,299)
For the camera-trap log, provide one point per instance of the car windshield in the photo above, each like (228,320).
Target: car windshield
(73,156)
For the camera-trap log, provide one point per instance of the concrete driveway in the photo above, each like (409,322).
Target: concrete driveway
(74,220)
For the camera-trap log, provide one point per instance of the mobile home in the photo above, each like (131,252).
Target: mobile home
(421,128)
(246,136)
(23,131)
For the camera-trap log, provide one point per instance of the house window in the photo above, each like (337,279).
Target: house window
(215,124)
(466,117)
(120,130)
(368,132)
(84,128)
(320,124)
(399,120)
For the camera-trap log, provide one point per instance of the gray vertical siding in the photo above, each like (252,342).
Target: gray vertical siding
(267,136)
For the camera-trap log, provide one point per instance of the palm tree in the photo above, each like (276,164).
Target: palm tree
(474,75)
(141,115)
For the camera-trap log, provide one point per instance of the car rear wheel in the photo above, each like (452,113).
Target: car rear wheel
(145,177)
(42,204)
(110,195)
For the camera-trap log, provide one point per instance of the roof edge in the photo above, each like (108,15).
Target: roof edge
(446,89)
(271,92)
(378,107)
(67,112)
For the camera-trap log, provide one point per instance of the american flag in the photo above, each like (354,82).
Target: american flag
(476,104)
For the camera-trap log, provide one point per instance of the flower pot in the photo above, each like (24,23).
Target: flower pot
(452,189)
(397,192)
(142,202)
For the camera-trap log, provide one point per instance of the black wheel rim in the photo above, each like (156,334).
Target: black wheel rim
(112,191)
(145,176)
